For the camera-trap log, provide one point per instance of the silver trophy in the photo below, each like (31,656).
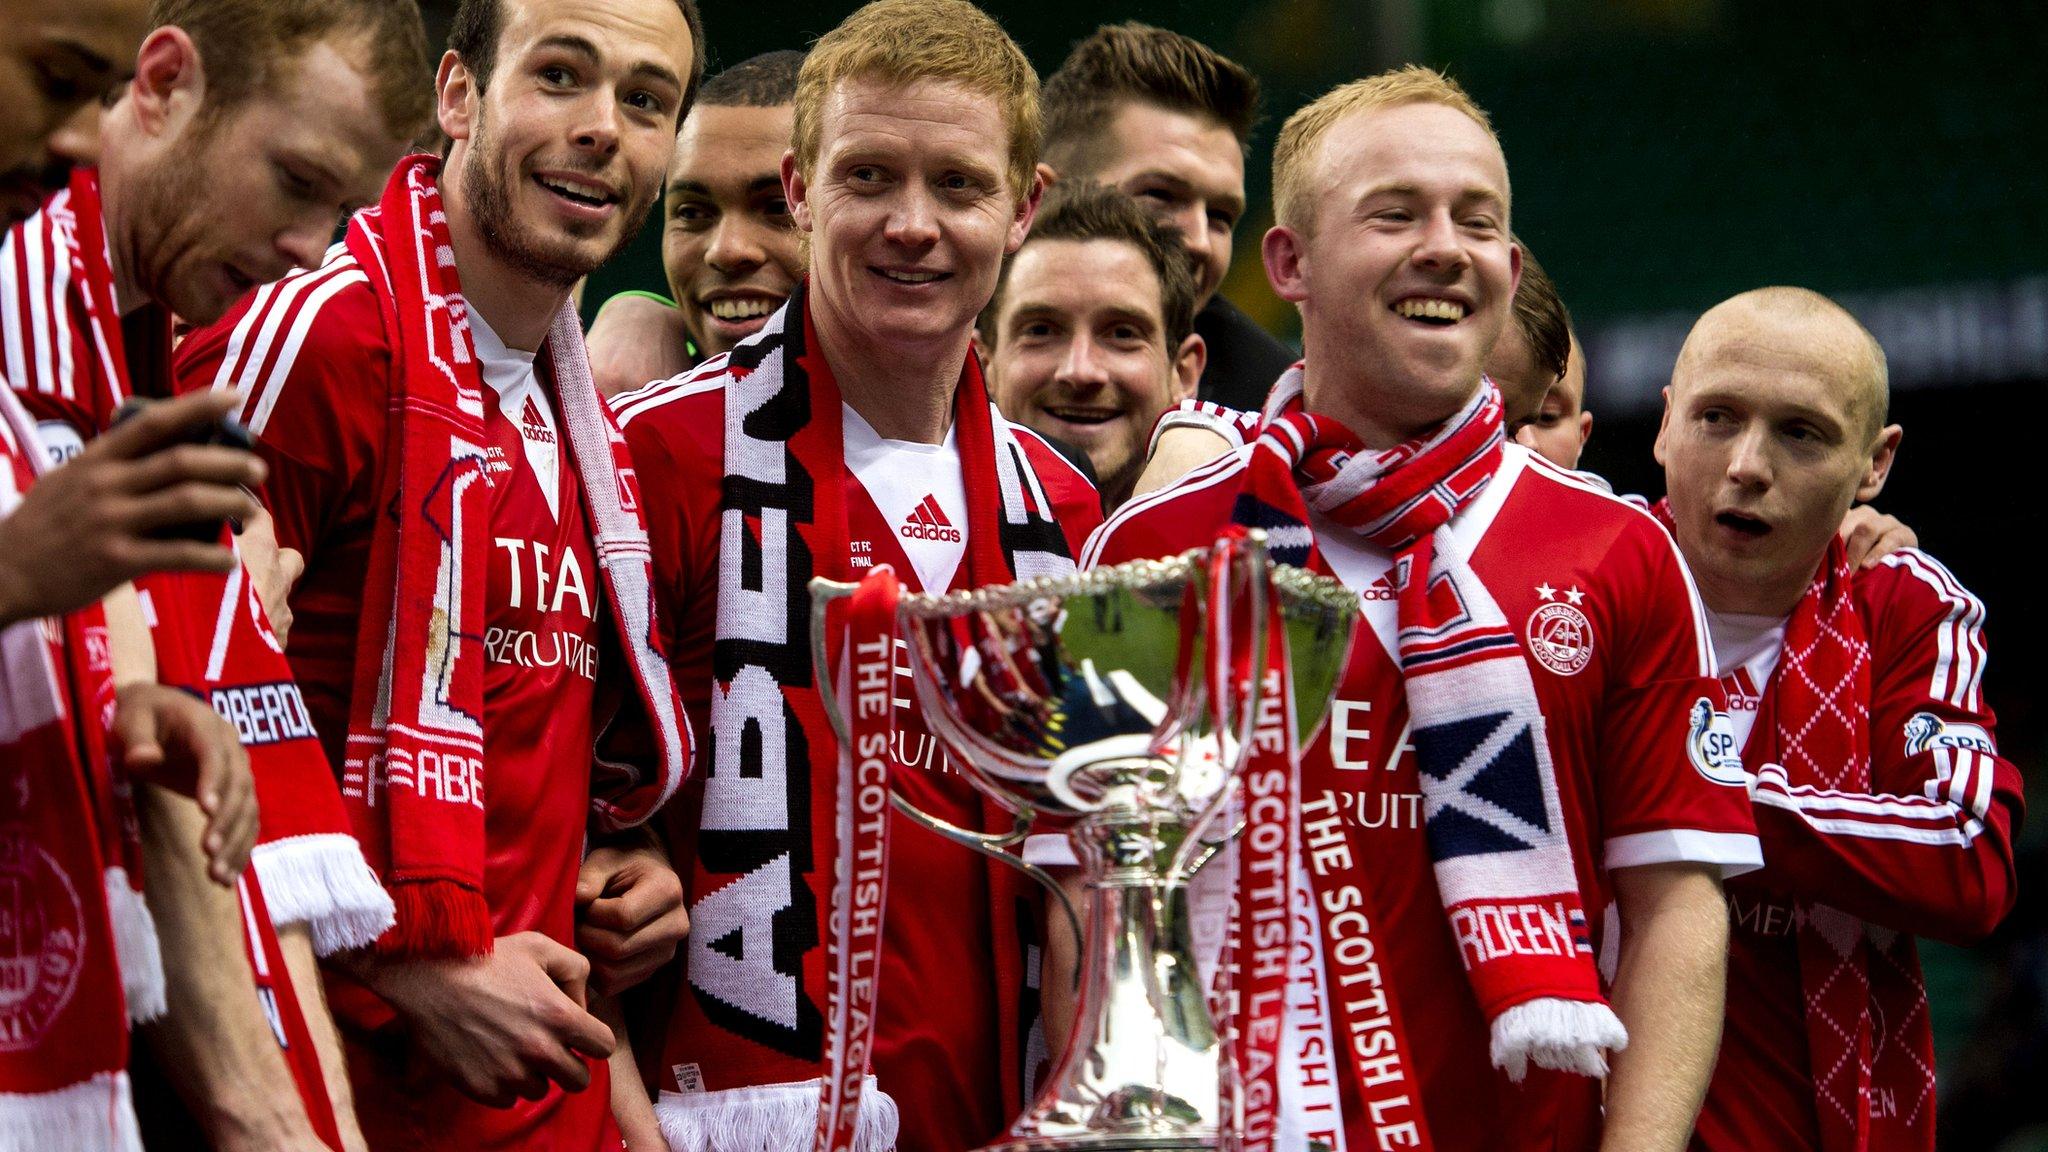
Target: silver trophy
(1103,699)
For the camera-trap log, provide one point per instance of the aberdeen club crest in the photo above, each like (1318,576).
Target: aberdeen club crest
(42,940)
(1559,635)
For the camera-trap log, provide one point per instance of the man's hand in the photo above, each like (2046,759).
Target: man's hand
(502,1027)
(272,569)
(629,914)
(1870,536)
(86,528)
(177,742)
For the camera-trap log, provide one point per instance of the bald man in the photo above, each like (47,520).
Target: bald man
(1885,809)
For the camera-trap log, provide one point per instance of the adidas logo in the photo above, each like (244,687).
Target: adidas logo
(533,425)
(1380,589)
(928,522)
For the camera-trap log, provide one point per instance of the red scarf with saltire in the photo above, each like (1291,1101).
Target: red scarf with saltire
(63,1009)
(415,777)
(1495,828)
(1855,976)
(782,1056)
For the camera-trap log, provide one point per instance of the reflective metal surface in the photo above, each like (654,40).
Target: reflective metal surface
(1109,699)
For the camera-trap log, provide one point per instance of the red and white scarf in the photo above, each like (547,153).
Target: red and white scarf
(1494,824)
(797,1046)
(211,635)
(63,1006)
(415,776)
(1853,974)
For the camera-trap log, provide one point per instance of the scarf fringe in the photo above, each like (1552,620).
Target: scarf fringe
(435,920)
(1562,1035)
(768,1118)
(95,1115)
(322,881)
(136,948)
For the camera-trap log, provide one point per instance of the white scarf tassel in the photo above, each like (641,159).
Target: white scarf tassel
(771,1118)
(136,948)
(322,881)
(1562,1035)
(95,1115)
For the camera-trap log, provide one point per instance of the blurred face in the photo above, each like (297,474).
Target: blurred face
(58,58)
(1188,172)
(229,199)
(1562,425)
(909,212)
(730,246)
(1080,352)
(1766,441)
(1513,369)
(1405,276)
(564,154)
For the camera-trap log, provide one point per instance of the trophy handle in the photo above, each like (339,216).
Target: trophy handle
(995,844)
(823,593)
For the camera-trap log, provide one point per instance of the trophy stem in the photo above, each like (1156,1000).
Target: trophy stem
(1140,1067)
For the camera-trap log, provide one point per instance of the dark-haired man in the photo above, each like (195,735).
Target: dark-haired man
(1091,333)
(58,60)
(1168,120)
(441,458)
(248,127)
(1533,349)
(729,247)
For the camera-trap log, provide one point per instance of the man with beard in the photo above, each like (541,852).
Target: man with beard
(1529,719)
(853,431)
(1885,807)
(1090,336)
(476,605)
(728,244)
(1167,120)
(249,127)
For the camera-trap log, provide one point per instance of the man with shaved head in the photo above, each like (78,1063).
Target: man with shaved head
(1885,809)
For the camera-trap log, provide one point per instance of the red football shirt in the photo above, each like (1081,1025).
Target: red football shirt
(1928,853)
(310,354)
(1618,652)
(935,1047)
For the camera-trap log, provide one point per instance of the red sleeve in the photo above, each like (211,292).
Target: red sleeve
(309,357)
(678,458)
(1929,850)
(1668,770)
(1076,505)
(1237,427)
(1185,514)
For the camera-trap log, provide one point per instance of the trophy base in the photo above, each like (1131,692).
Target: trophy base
(1107,1142)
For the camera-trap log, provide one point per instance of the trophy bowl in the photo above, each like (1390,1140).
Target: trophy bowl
(1118,701)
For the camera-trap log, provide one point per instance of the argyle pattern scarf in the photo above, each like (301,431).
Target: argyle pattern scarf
(1495,828)
(1853,974)
(415,776)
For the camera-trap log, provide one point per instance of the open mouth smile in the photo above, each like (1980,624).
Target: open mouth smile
(1435,311)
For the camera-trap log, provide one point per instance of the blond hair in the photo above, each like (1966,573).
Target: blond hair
(1301,138)
(902,41)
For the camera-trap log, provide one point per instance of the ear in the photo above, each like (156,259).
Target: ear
(1881,457)
(456,96)
(795,192)
(1514,269)
(1046,175)
(1027,211)
(1585,429)
(170,82)
(1187,366)
(986,354)
(1286,260)
(1663,425)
